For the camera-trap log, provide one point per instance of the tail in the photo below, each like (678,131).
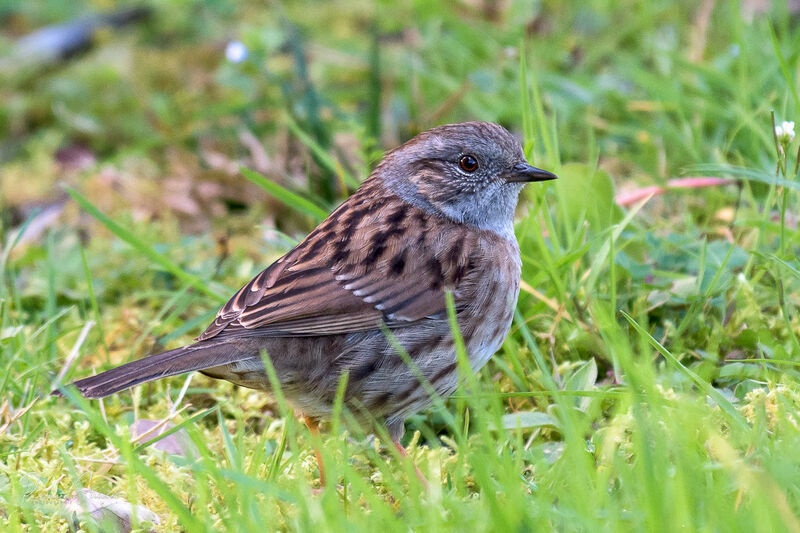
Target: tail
(189,358)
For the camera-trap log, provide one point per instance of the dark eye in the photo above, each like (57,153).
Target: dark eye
(468,163)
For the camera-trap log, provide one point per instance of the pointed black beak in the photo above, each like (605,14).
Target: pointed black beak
(524,173)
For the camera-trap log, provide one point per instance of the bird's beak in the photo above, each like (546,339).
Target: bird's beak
(524,173)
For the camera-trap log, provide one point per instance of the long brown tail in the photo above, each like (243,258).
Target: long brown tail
(179,361)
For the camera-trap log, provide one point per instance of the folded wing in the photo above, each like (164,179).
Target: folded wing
(376,259)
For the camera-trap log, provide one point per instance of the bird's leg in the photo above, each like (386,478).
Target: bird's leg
(417,471)
(313,427)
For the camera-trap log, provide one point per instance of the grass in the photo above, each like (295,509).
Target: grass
(652,377)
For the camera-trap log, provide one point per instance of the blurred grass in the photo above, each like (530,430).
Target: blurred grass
(651,378)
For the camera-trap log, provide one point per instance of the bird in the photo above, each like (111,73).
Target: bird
(436,215)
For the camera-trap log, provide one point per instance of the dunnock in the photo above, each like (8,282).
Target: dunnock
(436,215)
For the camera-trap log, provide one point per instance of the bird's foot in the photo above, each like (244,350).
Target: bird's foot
(420,476)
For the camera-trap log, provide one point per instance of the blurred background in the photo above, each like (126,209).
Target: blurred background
(152,107)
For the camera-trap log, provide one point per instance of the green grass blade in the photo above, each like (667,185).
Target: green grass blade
(322,155)
(288,198)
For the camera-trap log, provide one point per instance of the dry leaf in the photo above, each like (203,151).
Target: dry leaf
(177,443)
(626,198)
(107,510)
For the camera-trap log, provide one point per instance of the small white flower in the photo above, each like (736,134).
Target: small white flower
(236,52)
(785,132)
(788,129)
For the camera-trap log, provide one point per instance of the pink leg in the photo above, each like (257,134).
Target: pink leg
(313,427)
(417,471)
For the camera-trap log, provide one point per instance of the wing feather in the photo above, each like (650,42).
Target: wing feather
(373,261)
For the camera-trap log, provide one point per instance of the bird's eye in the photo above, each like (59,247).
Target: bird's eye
(468,163)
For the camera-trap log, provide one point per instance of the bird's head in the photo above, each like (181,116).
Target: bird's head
(471,173)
